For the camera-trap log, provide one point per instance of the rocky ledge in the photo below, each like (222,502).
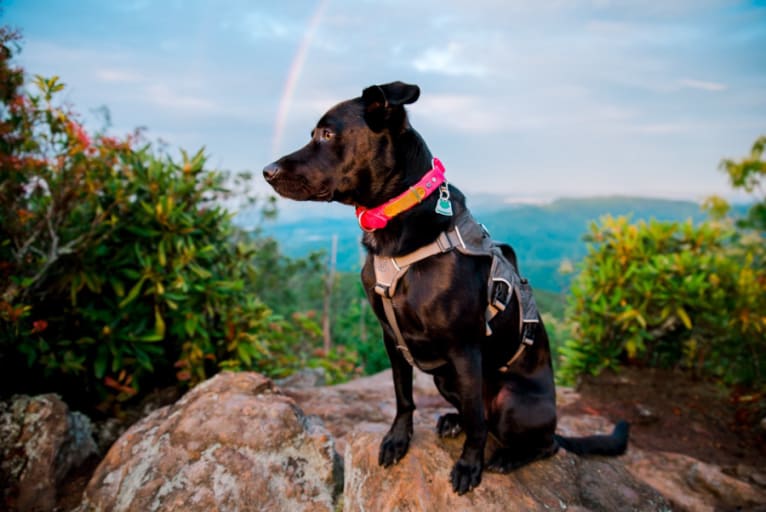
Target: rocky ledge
(240,442)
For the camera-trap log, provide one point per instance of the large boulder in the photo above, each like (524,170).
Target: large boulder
(40,442)
(420,482)
(238,442)
(359,413)
(232,443)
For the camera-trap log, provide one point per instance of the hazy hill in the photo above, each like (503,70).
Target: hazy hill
(542,234)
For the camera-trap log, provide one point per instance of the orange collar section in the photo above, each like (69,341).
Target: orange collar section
(377,218)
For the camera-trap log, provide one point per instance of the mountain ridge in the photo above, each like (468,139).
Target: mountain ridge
(543,235)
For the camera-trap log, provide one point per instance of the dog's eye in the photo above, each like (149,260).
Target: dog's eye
(326,134)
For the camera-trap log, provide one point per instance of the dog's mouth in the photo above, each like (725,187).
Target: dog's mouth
(299,189)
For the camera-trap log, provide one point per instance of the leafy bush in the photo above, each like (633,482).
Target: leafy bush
(670,294)
(748,174)
(119,268)
(678,294)
(295,288)
(296,342)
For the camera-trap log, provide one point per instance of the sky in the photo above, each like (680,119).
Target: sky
(526,99)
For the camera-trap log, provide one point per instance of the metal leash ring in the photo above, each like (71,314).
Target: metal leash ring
(444,192)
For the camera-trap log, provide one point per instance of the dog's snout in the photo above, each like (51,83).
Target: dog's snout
(270,171)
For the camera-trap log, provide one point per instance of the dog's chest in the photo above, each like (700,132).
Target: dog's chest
(436,303)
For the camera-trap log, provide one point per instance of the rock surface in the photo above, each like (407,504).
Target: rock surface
(368,404)
(231,443)
(238,442)
(40,442)
(694,485)
(358,413)
(420,482)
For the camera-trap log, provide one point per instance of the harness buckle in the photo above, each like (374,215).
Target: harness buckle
(528,333)
(383,290)
(501,295)
(444,243)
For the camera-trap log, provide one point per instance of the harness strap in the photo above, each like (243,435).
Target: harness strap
(503,283)
(387,274)
(389,270)
(401,345)
(529,320)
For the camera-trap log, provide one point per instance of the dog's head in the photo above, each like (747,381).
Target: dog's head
(352,153)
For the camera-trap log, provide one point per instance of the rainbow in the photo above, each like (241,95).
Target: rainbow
(293,75)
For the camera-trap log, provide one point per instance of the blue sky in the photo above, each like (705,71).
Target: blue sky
(522,98)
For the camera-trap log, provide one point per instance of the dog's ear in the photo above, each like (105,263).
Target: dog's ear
(381,100)
(391,95)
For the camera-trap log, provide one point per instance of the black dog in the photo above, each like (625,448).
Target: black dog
(450,301)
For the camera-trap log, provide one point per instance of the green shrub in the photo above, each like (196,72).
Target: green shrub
(670,294)
(298,286)
(119,268)
(117,261)
(297,343)
(749,175)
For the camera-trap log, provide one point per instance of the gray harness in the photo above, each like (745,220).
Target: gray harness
(472,239)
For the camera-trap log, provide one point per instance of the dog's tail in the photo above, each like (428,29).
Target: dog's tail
(613,444)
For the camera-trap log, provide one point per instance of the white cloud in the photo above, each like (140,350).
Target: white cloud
(461,113)
(610,28)
(451,60)
(659,128)
(702,85)
(262,26)
(117,75)
(164,96)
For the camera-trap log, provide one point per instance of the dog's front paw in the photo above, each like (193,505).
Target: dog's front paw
(465,476)
(449,425)
(392,449)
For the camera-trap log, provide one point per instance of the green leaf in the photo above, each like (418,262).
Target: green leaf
(92,282)
(244,354)
(201,272)
(159,323)
(130,273)
(118,287)
(133,293)
(144,231)
(144,360)
(150,338)
(140,255)
(681,312)
(161,253)
(147,208)
(190,324)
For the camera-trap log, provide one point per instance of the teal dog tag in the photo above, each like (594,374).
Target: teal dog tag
(443,204)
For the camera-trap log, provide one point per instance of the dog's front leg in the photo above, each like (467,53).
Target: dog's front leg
(396,442)
(466,473)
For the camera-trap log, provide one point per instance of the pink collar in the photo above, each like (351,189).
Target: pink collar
(377,218)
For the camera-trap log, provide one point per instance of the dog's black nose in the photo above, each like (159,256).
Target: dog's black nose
(270,171)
